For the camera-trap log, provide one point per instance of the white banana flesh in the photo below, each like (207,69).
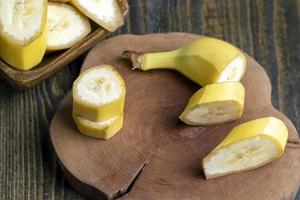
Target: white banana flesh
(233,71)
(66,26)
(22,21)
(214,113)
(106,13)
(102,130)
(98,125)
(215,103)
(99,94)
(99,86)
(248,146)
(247,154)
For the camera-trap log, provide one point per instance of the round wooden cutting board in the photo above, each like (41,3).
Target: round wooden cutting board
(155,156)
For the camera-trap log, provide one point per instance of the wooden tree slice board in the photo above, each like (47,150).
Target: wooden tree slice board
(155,156)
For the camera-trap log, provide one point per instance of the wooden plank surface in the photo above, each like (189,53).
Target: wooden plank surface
(267,30)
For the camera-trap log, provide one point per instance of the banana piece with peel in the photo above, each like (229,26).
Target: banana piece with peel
(101,130)
(66,26)
(23,32)
(204,61)
(248,146)
(215,103)
(99,94)
(105,13)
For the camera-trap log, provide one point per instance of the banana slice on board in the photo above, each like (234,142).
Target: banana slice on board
(102,130)
(106,13)
(23,32)
(215,103)
(204,61)
(248,146)
(99,93)
(66,26)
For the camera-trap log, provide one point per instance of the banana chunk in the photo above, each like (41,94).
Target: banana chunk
(215,103)
(106,13)
(23,32)
(66,26)
(99,93)
(248,146)
(204,61)
(102,130)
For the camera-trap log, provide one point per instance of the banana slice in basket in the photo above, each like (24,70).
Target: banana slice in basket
(106,13)
(248,146)
(215,103)
(23,32)
(66,26)
(99,94)
(102,130)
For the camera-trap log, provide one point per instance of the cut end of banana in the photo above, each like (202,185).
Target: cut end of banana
(102,130)
(99,93)
(66,26)
(106,13)
(213,113)
(21,22)
(23,32)
(248,146)
(99,85)
(215,103)
(234,70)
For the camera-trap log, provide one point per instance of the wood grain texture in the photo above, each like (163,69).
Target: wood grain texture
(28,169)
(155,156)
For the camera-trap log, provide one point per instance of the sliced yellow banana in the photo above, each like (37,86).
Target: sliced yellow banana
(66,26)
(106,13)
(23,32)
(102,130)
(215,103)
(248,146)
(204,61)
(99,93)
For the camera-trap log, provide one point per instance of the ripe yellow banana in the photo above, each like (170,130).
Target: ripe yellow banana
(105,13)
(204,61)
(102,130)
(66,26)
(23,32)
(99,94)
(248,146)
(215,103)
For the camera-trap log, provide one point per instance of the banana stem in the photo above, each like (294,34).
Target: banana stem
(160,60)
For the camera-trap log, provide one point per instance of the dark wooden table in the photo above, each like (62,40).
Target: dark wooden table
(268,30)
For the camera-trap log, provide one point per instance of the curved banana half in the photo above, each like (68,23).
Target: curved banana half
(204,61)
(102,130)
(66,26)
(248,146)
(215,103)
(23,32)
(99,93)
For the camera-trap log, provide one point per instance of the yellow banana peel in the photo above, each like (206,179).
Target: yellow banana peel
(248,146)
(204,61)
(215,103)
(101,130)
